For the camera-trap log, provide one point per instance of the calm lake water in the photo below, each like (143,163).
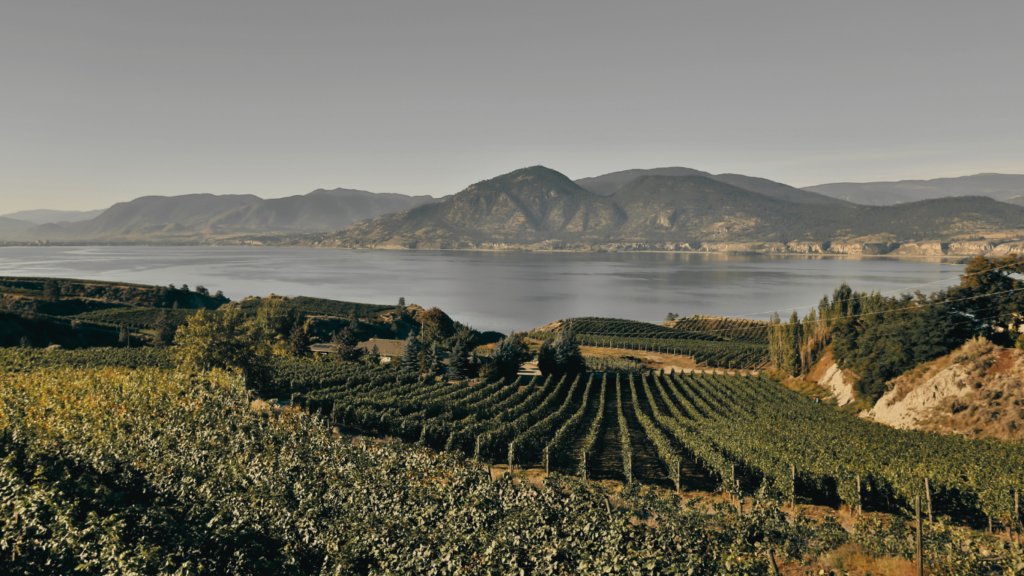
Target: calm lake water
(496,290)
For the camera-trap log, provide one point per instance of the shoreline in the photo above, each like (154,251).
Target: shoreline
(748,253)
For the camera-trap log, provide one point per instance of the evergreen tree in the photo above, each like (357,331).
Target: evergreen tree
(546,362)
(299,342)
(164,331)
(458,361)
(509,355)
(411,353)
(432,359)
(791,351)
(401,302)
(345,345)
(567,354)
(51,290)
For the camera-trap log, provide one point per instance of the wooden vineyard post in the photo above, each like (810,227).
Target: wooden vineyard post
(679,475)
(920,556)
(476,451)
(771,561)
(630,468)
(585,467)
(547,461)
(511,451)
(928,493)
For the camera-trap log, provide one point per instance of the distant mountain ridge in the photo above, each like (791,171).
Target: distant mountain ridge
(608,184)
(52,216)
(1002,187)
(539,208)
(199,217)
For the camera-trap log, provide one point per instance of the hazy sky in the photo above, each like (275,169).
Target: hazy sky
(106,101)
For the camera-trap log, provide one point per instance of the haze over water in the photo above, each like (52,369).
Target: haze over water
(496,290)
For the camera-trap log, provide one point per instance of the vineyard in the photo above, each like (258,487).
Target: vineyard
(735,329)
(714,354)
(748,428)
(712,342)
(119,470)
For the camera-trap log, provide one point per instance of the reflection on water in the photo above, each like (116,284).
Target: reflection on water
(496,290)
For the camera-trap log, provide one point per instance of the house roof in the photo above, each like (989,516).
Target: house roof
(385,347)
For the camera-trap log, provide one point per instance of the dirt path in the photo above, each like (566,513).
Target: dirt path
(607,464)
(647,467)
(693,477)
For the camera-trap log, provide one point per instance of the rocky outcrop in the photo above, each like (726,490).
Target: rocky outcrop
(840,387)
(975,391)
(922,249)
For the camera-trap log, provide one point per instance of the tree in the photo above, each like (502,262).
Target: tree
(202,291)
(164,331)
(411,353)
(509,355)
(51,290)
(401,302)
(458,361)
(225,340)
(298,342)
(436,326)
(432,359)
(567,354)
(671,317)
(546,362)
(791,349)
(184,288)
(345,345)
(124,336)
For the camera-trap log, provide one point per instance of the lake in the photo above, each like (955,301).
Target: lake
(497,290)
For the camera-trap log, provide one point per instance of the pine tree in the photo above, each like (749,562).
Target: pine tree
(299,342)
(345,345)
(51,290)
(432,359)
(401,302)
(509,355)
(164,331)
(567,354)
(458,361)
(411,353)
(546,362)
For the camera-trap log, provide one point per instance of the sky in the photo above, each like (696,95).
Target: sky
(103,102)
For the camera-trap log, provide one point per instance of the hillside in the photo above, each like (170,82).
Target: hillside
(975,391)
(197,217)
(1001,187)
(538,208)
(38,217)
(609,184)
(10,226)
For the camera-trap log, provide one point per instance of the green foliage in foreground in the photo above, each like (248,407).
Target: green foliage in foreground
(154,472)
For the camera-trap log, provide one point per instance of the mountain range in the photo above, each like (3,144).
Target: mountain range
(671,208)
(1003,187)
(539,208)
(200,217)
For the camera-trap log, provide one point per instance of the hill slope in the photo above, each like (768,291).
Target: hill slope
(198,216)
(609,184)
(10,226)
(52,216)
(998,186)
(539,208)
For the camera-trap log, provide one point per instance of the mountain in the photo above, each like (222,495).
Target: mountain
(531,205)
(194,217)
(998,186)
(53,216)
(536,208)
(10,226)
(609,184)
